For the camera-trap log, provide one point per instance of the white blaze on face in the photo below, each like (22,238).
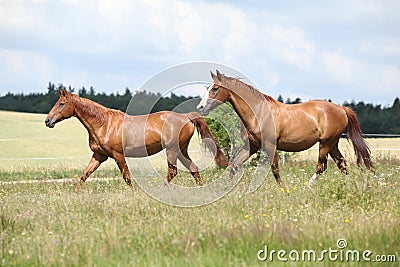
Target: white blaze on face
(203,101)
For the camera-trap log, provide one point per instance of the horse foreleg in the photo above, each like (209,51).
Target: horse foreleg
(241,158)
(94,163)
(123,167)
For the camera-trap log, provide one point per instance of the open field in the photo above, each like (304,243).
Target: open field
(108,224)
(388,148)
(27,143)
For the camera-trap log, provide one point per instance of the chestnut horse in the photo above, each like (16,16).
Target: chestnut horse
(297,126)
(143,135)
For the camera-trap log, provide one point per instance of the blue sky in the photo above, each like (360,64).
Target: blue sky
(341,50)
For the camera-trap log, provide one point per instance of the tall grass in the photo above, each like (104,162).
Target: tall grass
(110,225)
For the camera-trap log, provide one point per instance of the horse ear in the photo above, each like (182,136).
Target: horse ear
(220,75)
(63,92)
(214,77)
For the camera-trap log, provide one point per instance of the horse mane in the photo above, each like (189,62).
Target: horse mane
(92,109)
(239,84)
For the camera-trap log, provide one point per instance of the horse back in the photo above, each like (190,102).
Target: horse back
(299,126)
(149,134)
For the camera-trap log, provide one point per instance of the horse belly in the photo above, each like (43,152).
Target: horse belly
(297,146)
(296,141)
(142,144)
(142,151)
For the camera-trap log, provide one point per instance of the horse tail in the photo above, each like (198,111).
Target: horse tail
(207,138)
(354,133)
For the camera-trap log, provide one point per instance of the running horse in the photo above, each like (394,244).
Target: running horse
(143,135)
(297,127)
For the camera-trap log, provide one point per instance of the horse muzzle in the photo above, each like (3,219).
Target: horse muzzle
(50,123)
(204,110)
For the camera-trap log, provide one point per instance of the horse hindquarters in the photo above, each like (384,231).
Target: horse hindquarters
(176,135)
(330,146)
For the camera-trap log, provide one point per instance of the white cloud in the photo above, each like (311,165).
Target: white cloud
(14,15)
(386,47)
(115,44)
(290,45)
(209,30)
(25,66)
(116,12)
(340,68)
(389,79)
(357,9)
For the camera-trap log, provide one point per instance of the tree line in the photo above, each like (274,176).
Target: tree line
(43,102)
(374,119)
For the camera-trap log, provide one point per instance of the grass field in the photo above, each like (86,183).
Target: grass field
(108,224)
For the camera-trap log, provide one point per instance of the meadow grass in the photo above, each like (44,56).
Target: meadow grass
(109,224)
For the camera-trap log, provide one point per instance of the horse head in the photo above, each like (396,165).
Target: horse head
(62,109)
(216,94)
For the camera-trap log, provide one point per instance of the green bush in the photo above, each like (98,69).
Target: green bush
(224,125)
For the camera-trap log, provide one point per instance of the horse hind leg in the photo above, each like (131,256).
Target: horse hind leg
(123,167)
(172,156)
(172,171)
(322,162)
(339,159)
(275,169)
(188,163)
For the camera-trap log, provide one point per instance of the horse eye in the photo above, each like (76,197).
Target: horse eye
(215,89)
(62,104)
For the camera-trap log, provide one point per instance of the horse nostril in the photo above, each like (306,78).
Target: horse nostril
(48,123)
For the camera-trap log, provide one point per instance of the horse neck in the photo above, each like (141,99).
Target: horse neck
(90,114)
(252,104)
(244,104)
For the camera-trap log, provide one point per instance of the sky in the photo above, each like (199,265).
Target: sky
(338,50)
